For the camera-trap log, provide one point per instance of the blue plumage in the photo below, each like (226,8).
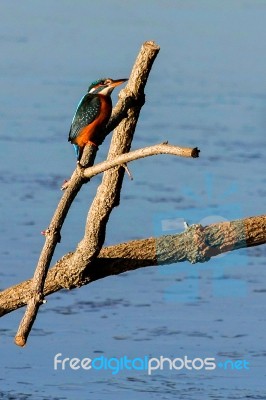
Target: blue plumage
(87,111)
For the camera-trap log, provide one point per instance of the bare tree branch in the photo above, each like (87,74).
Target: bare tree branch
(196,244)
(156,149)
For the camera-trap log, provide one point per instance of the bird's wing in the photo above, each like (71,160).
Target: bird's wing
(88,109)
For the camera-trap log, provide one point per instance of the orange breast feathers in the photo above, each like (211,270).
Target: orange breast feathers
(89,133)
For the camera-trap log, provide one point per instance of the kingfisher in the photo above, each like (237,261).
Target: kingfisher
(92,114)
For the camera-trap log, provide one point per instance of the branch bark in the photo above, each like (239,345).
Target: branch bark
(163,148)
(196,244)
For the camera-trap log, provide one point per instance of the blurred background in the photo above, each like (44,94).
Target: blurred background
(207,89)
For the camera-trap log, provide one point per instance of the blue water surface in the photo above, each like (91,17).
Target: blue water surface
(207,89)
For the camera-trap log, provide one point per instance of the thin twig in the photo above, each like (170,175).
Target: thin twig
(127,171)
(162,148)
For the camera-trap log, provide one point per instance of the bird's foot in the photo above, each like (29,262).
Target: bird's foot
(92,144)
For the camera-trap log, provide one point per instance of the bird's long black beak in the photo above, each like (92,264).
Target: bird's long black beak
(117,82)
